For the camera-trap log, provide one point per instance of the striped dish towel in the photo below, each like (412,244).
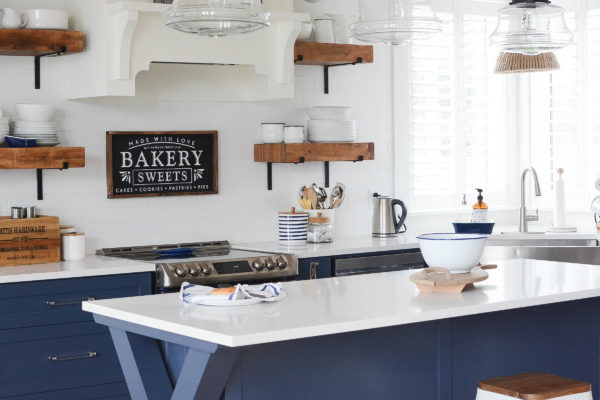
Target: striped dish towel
(197,294)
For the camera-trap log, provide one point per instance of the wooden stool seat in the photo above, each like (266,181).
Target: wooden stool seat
(535,386)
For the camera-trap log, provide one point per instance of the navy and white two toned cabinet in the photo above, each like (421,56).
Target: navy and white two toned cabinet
(51,349)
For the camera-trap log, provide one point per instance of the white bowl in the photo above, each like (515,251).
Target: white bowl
(329,113)
(35,112)
(47,19)
(458,252)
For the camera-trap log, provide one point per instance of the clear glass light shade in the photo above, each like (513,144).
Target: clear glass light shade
(531,28)
(216,18)
(395,22)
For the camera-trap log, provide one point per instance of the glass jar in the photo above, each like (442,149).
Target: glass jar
(319,230)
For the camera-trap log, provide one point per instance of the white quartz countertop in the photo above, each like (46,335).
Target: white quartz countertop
(345,304)
(90,266)
(340,246)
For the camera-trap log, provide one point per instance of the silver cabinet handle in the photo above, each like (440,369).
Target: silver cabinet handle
(313,270)
(52,303)
(91,354)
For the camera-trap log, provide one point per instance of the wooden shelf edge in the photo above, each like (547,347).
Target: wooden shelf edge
(39,42)
(42,157)
(329,54)
(313,152)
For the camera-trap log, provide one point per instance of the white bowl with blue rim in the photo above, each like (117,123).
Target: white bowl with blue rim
(458,252)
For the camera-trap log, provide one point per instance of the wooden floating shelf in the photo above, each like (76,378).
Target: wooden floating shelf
(309,152)
(39,42)
(331,54)
(41,158)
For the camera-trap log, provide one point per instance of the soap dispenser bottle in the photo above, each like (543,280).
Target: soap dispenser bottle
(480,209)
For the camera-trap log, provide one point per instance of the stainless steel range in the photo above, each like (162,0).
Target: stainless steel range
(208,263)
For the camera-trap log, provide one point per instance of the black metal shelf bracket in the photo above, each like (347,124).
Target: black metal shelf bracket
(359,60)
(40,179)
(36,61)
(360,159)
(270,176)
(327,174)
(300,58)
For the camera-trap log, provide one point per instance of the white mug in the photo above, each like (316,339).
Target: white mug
(12,19)
(323,27)
(293,134)
(272,132)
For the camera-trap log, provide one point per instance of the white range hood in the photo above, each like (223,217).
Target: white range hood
(130,52)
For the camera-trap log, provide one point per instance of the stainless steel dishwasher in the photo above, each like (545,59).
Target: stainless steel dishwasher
(371,264)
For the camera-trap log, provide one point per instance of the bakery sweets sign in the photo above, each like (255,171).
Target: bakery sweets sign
(144,164)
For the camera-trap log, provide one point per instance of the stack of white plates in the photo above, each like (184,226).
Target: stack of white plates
(4,130)
(292,227)
(332,131)
(45,133)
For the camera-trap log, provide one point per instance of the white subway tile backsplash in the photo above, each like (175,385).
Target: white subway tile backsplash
(244,210)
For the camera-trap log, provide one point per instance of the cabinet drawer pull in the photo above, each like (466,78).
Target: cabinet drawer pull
(313,270)
(52,303)
(91,354)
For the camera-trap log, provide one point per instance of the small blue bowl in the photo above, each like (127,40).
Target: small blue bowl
(484,228)
(14,141)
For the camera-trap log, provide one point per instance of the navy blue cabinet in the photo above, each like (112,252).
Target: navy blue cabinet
(51,349)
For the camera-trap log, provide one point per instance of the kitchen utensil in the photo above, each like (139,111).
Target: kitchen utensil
(441,280)
(11,19)
(272,132)
(304,203)
(485,228)
(329,113)
(386,221)
(293,134)
(323,28)
(47,19)
(313,197)
(455,251)
(321,195)
(337,195)
(35,112)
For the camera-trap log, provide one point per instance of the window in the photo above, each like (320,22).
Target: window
(458,112)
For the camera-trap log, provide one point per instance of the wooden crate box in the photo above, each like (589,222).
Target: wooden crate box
(29,240)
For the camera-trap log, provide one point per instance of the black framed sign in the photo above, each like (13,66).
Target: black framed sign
(146,164)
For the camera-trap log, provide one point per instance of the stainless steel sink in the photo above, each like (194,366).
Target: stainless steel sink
(547,241)
(572,254)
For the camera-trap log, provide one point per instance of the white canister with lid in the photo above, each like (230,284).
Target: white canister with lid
(323,28)
(272,132)
(73,246)
(293,134)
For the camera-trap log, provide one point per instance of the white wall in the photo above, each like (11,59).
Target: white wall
(244,210)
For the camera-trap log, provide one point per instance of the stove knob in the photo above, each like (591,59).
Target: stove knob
(181,270)
(271,263)
(207,269)
(195,270)
(259,264)
(282,262)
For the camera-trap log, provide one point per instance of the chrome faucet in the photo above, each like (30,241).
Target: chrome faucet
(524,218)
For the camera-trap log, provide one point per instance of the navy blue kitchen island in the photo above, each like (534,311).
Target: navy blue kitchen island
(363,337)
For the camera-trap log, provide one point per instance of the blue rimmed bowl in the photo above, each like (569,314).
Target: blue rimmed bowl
(14,141)
(458,252)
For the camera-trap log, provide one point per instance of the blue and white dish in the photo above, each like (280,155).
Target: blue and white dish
(14,141)
(458,252)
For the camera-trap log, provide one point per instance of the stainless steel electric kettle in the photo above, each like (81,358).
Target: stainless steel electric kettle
(386,222)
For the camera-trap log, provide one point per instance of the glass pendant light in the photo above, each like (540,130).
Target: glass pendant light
(531,27)
(395,22)
(216,18)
